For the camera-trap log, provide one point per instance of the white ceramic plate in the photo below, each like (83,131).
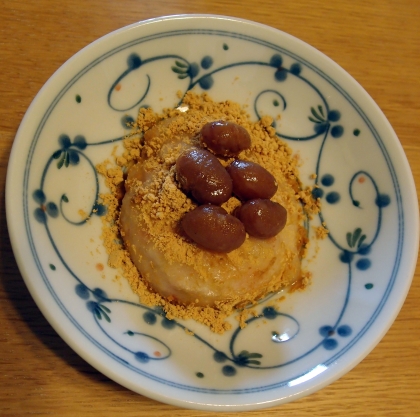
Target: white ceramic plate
(361,274)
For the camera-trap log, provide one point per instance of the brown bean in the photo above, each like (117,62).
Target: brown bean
(213,228)
(225,138)
(262,218)
(250,180)
(200,173)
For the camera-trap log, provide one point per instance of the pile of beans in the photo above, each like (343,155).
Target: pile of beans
(202,176)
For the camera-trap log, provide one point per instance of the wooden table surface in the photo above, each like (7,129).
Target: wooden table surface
(377,42)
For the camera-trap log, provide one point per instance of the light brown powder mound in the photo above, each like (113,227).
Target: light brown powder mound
(184,279)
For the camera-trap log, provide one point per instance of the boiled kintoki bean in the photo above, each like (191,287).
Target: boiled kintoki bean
(225,138)
(200,173)
(250,180)
(262,218)
(213,228)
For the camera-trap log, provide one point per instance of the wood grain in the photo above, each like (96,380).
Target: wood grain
(377,42)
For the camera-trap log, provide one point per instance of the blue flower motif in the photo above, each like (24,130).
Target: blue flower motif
(185,70)
(330,344)
(326,331)
(228,370)
(276,61)
(207,62)
(364,249)
(321,127)
(318,116)
(333,197)
(99,294)
(39,196)
(317,193)
(206,82)
(337,131)
(133,61)
(270,313)
(296,69)
(363,263)
(334,116)
(246,358)
(40,215)
(149,317)
(99,310)
(356,238)
(127,121)
(82,291)
(346,256)
(344,330)
(280,74)
(383,200)
(168,324)
(99,209)
(322,122)
(66,155)
(193,70)
(50,208)
(327,180)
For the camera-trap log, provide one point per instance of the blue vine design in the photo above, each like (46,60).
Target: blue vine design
(325,127)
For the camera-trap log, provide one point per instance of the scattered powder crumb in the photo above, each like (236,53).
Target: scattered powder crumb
(321,232)
(188,332)
(302,283)
(243,316)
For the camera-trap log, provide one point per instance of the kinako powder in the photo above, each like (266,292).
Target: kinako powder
(141,145)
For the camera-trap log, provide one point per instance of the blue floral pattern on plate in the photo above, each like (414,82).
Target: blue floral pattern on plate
(82,119)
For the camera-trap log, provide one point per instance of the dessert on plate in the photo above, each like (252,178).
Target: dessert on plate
(206,210)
